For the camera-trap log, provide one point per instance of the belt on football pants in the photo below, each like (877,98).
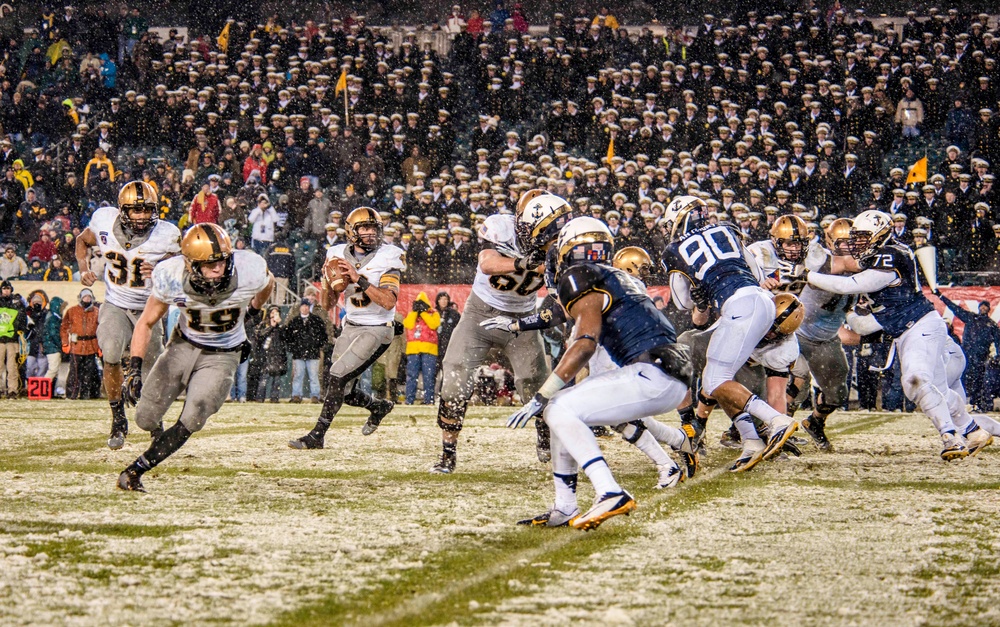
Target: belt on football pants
(205,348)
(673,359)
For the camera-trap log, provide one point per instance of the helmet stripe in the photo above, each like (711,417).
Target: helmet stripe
(213,239)
(780,319)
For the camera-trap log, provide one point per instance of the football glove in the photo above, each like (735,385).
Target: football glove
(504,323)
(533,408)
(132,387)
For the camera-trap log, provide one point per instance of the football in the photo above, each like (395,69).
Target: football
(333,276)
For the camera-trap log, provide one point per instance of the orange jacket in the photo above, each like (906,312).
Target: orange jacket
(83,324)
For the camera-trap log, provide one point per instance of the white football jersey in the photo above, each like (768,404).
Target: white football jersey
(125,286)
(772,265)
(382,268)
(778,356)
(202,320)
(514,292)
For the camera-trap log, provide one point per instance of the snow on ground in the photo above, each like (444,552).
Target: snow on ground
(239,528)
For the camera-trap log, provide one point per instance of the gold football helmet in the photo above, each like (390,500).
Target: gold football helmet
(788,314)
(790,235)
(364,216)
(138,197)
(838,236)
(635,261)
(207,243)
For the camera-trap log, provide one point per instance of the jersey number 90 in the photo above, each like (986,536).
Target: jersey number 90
(700,251)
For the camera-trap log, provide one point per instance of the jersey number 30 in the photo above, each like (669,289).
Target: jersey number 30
(701,251)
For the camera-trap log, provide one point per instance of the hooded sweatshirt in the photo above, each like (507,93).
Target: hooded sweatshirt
(421,329)
(51,341)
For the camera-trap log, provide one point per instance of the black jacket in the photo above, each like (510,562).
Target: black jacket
(305,336)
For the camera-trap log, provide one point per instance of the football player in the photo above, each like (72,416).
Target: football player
(213,285)
(647,433)
(505,285)
(780,257)
(133,241)
(710,262)
(372,270)
(888,276)
(821,352)
(651,378)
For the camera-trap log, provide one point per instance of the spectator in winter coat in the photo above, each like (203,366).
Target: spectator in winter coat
(205,207)
(13,322)
(52,345)
(264,219)
(449,320)
(274,354)
(305,335)
(980,334)
(910,114)
(421,326)
(318,215)
(255,163)
(11,266)
(57,271)
(79,338)
(44,248)
(36,313)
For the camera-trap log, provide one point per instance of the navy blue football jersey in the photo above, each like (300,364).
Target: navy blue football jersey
(901,304)
(712,258)
(632,325)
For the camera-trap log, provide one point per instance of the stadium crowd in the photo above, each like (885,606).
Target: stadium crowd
(277,130)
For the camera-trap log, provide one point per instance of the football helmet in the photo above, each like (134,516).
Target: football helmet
(869,232)
(634,261)
(585,240)
(364,216)
(207,243)
(683,214)
(138,196)
(838,236)
(790,236)
(539,217)
(788,314)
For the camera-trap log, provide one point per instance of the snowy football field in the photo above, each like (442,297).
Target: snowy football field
(240,529)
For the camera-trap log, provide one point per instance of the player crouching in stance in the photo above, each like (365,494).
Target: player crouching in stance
(712,261)
(889,277)
(133,241)
(652,379)
(213,285)
(370,271)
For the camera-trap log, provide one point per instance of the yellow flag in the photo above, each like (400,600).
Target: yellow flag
(341,83)
(611,150)
(223,38)
(918,172)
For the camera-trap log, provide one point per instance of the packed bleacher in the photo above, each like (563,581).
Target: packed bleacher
(276,130)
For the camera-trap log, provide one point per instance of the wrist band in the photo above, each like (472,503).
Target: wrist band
(363,283)
(552,385)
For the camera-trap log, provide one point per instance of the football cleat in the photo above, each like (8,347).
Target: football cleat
(600,431)
(689,450)
(977,440)
(308,441)
(446,465)
(607,506)
(552,518)
(131,481)
(380,410)
(119,429)
(542,442)
(816,428)
(731,438)
(752,454)
(782,428)
(954,447)
(670,476)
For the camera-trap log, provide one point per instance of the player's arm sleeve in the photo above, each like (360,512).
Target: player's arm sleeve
(680,291)
(864,282)
(550,315)
(390,280)
(755,268)
(863,324)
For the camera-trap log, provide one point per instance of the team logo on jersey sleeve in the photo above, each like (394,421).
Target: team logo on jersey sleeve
(104,237)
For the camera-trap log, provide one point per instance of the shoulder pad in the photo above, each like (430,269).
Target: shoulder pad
(578,281)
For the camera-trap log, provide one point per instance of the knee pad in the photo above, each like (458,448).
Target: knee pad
(928,397)
(791,389)
(450,416)
(631,431)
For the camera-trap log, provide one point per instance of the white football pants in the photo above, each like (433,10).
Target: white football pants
(744,321)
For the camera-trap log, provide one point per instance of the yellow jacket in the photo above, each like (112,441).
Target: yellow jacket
(22,175)
(98,162)
(421,329)
(609,21)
